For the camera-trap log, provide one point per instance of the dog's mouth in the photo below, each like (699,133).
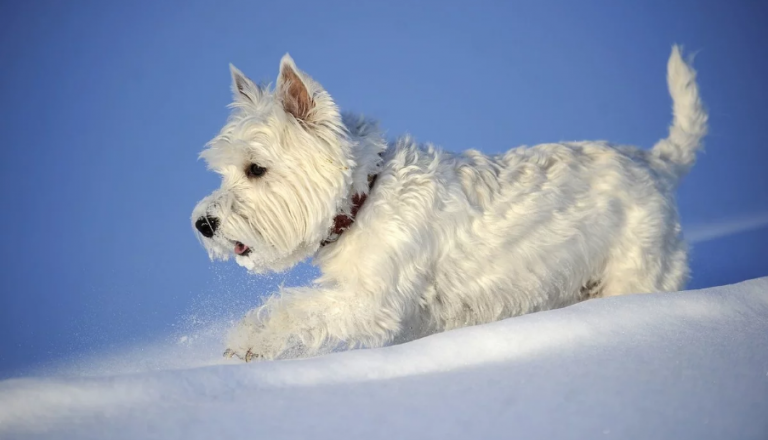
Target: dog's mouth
(241,249)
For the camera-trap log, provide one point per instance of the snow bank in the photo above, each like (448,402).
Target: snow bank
(689,365)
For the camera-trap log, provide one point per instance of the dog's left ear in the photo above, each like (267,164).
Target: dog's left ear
(292,90)
(242,87)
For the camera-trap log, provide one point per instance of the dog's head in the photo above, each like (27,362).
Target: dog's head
(285,162)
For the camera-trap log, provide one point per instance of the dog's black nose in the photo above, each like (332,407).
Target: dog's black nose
(207,225)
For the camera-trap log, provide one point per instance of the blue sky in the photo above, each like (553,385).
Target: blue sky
(105,105)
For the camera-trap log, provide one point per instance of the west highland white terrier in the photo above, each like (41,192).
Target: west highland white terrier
(413,240)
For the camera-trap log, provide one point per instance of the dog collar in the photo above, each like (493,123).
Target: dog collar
(342,222)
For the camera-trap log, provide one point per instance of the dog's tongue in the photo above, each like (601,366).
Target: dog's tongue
(240,248)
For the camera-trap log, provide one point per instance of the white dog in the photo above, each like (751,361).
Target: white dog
(414,240)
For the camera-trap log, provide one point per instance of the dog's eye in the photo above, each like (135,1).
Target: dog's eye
(254,170)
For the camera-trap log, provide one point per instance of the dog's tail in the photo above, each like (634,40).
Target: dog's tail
(689,124)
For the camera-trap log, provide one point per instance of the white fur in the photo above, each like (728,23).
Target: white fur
(444,240)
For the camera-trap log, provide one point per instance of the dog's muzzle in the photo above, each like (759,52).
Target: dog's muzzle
(207,225)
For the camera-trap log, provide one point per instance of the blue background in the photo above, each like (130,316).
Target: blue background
(104,107)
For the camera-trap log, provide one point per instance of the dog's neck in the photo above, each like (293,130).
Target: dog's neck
(367,146)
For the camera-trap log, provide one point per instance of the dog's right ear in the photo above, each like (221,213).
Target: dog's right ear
(243,89)
(293,91)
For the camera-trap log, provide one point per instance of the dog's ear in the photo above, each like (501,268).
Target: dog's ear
(292,90)
(243,89)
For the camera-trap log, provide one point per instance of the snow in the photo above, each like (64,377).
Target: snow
(688,365)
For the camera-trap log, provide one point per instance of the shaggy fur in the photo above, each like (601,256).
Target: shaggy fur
(444,240)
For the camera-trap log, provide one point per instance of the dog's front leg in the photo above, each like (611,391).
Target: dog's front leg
(301,322)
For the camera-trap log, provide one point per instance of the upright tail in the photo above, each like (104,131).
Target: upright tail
(689,124)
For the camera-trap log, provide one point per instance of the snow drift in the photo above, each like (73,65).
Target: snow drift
(688,365)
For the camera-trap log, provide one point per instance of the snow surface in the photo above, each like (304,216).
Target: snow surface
(688,365)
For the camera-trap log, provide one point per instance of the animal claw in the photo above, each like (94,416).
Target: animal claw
(249,355)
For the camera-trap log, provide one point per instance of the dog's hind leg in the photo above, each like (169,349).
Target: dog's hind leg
(646,268)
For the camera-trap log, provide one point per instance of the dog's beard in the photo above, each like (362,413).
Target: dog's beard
(260,240)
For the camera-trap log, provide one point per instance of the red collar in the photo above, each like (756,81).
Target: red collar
(342,222)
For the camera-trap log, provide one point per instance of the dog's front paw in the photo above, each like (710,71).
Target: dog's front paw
(247,355)
(249,340)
